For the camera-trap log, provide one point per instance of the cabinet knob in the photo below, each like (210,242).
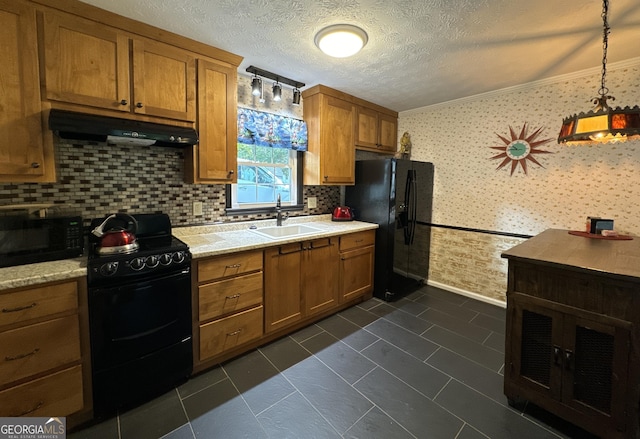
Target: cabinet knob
(35,165)
(326,177)
(232,172)
(123,102)
(139,105)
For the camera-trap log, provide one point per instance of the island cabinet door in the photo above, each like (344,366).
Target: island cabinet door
(596,359)
(534,350)
(560,356)
(282,286)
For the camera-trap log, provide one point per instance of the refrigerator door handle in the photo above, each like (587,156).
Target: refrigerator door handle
(413,207)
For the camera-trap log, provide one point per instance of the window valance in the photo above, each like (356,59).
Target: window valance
(267,129)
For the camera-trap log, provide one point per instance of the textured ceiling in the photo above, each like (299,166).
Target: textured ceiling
(420,52)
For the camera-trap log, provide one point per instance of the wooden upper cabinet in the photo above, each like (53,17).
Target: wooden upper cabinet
(375,130)
(164,81)
(88,64)
(24,155)
(214,159)
(330,158)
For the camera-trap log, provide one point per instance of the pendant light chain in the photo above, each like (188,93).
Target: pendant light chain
(605,45)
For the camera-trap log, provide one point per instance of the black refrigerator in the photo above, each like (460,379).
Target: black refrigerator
(397,195)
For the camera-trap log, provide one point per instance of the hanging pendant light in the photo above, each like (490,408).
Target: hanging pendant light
(256,86)
(603,124)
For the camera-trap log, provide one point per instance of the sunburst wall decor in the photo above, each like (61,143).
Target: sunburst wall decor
(520,149)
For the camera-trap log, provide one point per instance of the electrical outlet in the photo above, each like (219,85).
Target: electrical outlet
(312,202)
(197,208)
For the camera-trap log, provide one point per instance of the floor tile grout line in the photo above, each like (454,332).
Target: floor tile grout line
(186,415)
(298,390)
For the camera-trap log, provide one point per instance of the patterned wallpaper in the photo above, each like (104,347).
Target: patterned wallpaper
(572,183)
(96,180)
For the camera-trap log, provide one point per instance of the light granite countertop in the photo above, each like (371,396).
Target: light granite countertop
(217,239)
(42,272)
(203,241)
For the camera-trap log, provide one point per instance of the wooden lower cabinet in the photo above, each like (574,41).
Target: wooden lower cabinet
(227,304)
(243,300)
(230,332)
(58,394)
(44,346)
(301,280)
(356,264)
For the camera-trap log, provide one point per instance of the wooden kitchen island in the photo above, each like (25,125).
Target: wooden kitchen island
(573,330)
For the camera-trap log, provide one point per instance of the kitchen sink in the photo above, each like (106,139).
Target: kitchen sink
(293,230)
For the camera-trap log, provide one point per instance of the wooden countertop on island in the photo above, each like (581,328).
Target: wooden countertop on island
(617,258)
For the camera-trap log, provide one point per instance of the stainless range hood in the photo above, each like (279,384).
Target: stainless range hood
(79,126)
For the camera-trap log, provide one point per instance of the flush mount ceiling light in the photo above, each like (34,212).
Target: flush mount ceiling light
(341,40)
(603,124)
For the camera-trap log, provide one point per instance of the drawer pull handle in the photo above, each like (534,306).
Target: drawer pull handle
(234,266)
(21,356)
(359,240)
(20,308)
(231,334)
(40,404)
(235,296)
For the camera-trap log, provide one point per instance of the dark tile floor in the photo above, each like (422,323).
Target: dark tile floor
(427,366)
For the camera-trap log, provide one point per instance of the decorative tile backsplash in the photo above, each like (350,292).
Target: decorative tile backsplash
(99,179)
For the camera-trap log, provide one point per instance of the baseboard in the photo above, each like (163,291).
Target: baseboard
(466,293)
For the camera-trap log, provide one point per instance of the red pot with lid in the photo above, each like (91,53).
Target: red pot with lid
(117,234)
(342,213)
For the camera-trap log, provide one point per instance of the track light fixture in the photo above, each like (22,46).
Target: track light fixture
(257,88)
(296,96)
(277,91)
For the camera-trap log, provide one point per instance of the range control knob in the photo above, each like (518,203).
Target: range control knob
(178,257)
(109,269)
(137,264)
(152,261)
(166,259)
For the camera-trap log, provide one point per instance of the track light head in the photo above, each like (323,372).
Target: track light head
(277,91)
(256,86)
(296,96)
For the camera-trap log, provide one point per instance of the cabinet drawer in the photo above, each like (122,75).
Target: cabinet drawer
(229,332)
(36,348)
(231,265)
(19,306)
(58,394)
(229,295)
(358,239)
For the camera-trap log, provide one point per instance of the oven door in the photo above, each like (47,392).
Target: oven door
(138,318)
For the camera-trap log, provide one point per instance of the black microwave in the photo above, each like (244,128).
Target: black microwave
(25,240)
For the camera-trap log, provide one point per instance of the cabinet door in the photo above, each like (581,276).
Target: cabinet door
(338,154)
(86,63)
(534,359)
(214,159)
(367,128)
(595,363)
(320,275)
(164,81)
(356,272)
(21,146)
(282,286)
(388,132)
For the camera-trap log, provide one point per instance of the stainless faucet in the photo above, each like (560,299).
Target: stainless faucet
(280,216)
